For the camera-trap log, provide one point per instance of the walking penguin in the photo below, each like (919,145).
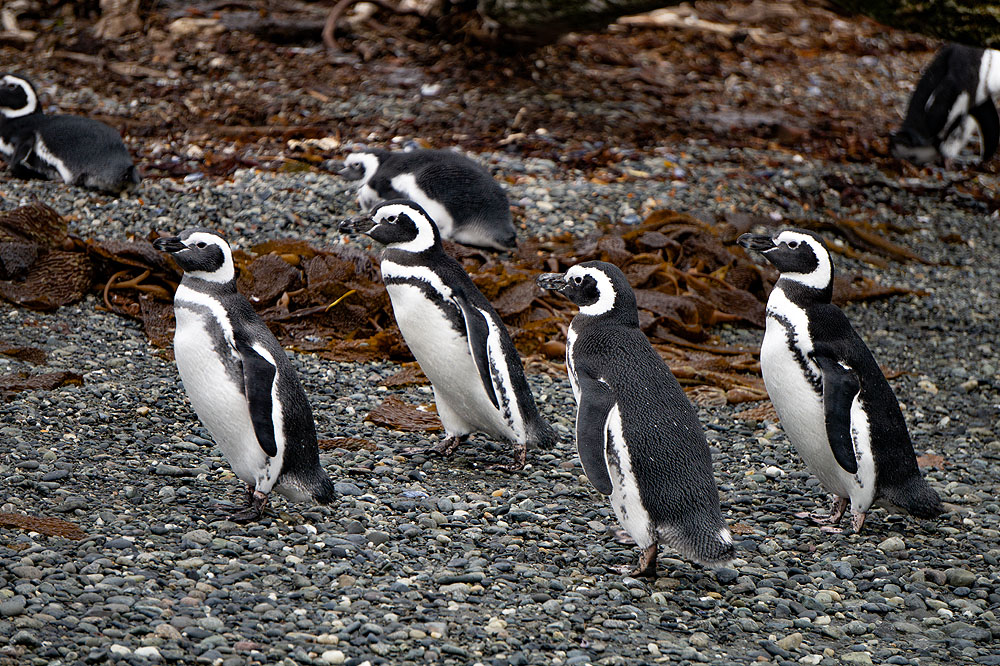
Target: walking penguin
(466,204)
(833,400)
(954,94)
(454,333)
(76,150)
(638,435)
(241,384)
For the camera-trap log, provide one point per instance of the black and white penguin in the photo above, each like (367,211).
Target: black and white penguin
(833,401)
(240,382)
(76,150)
(454,333)
(638,435)
(468,206)
(954,94)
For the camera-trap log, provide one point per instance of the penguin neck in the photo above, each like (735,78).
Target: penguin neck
(214,287)
(616,316)
(406,257)
(804,295)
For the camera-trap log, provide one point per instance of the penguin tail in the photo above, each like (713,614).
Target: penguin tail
(130,177)
(542,435)
(709,547)
(322,489)
(916,496)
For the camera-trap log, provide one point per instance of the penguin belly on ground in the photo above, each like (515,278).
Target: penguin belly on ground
(76,150)
(953,96)
(454,334)
(638,435)
(461,197)
(239,380)
(833,401)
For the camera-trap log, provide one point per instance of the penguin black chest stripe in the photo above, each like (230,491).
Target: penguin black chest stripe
(794,321)
(212,315)
(430,284)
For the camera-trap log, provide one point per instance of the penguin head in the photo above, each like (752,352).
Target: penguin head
(399,224)
(17,96)
(599,288)
(202,253)
(911,145)
(361,165)
(801,256)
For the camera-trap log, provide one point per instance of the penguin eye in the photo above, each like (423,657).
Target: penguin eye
(391,219)
(792,244)
(202,245)
(577,280)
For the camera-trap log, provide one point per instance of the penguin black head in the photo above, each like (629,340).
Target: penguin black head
(17,96)
(801,256)
(399,224)
(599,288)
(202,253)
(911,145)
(361,165)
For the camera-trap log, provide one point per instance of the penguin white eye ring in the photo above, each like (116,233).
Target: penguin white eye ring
(201,245)
(792,244)
(577,279)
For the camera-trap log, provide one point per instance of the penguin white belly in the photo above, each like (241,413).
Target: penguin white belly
(444,357)
(801,411)
(219,403)
(625,498)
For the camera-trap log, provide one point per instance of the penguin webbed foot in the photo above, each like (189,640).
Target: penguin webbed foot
(520,457)
(254,509)
(445,447)
(647,564)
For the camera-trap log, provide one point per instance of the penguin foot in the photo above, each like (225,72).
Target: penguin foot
(624,538)
(445,447)
(836,513)
(253,510)
(647,564)
(857,522)
(520,456)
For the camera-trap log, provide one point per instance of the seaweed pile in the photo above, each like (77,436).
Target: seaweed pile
(688,275)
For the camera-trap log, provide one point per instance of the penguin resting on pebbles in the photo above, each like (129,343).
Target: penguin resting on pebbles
(466,204)
(637,433)
(454,333)
(240,382)
(833,401)
(76,150)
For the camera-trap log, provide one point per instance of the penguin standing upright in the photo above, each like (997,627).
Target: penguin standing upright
(638,435)
(454,333)
(76,150)
(241,384)
(461,197)
(954,94)
(834,403)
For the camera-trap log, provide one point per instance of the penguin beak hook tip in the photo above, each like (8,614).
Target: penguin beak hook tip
(757,242)
(168,244)
(551,281)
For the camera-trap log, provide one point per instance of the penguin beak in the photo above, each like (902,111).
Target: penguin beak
(358,225)
(551,281)
(169,244)
(353,172)
(757,242)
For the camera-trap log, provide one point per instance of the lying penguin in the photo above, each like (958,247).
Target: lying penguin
(454,333)
(241,384)
(955,93)
(76,150)
(834,403)
(637,433)
(466,204)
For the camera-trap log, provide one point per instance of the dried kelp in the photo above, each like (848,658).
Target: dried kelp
(688,276)
(398,415)
(30,354)
(14,383)
(46,526)
(346,443)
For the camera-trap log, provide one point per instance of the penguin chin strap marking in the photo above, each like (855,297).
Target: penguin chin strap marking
(424,239)
(224,273)
(29,106)
(819,277)
(606,291)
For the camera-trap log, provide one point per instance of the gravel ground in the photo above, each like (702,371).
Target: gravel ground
(454,562)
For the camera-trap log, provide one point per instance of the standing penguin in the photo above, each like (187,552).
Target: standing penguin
(468,206)
(638,435)
(833,401)
(241,384)
(77,150)
(454,333)
(954,94)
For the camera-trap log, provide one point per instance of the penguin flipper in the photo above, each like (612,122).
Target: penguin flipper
(596,403)
(840,386)
(258,379)
(477,331)
(989,127)
(21,151)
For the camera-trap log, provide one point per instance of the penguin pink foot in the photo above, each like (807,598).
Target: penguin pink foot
(254,509)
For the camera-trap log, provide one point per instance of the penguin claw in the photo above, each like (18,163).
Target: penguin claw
(252,511)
